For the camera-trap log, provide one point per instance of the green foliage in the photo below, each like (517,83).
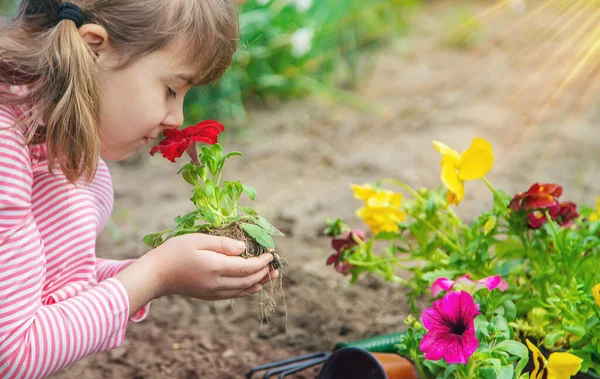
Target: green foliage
(292,48)
(216,202)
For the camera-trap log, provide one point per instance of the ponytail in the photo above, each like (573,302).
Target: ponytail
(56,63)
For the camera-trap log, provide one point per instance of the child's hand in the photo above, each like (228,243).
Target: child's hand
(209,267)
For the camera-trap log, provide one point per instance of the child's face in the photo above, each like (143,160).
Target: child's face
(140,101)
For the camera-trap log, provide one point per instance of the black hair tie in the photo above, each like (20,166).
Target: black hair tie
(70,11)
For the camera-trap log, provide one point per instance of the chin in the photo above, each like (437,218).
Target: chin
(117,156)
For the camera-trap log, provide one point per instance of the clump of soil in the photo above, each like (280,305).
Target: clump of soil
(253,248)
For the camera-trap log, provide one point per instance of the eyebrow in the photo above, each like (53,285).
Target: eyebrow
(187,78)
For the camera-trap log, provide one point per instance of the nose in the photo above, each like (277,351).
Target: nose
(174,119)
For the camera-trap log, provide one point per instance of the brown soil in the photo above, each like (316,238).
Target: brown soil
(253,248)
(517,88)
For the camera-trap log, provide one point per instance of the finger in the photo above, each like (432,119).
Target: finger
(272,275)
(232,294)
(239,267)
(254,289)
(241,283)
(223,245)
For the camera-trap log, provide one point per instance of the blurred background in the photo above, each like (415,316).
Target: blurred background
(323,94)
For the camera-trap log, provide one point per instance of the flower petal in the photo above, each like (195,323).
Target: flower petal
(174,135)
(433,346)
(476,161)
(596,293)
(459,307)
(563,365)
(208,128)
(449,155)
(433,319)
(452,183)
(539,361)
(332,259)
(441,284)
(363,192)
(460,348)
(493,282)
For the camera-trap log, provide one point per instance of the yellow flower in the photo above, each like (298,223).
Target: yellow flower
(382,208)
(381,219)
(363,192)
(595,216)
(489,225)
(557,366)
(596,293)
(385,199)
(473,163)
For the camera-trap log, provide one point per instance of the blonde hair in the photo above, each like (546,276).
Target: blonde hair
(59,69)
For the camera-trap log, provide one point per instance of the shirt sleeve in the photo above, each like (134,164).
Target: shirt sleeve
(38,339)
(108,268)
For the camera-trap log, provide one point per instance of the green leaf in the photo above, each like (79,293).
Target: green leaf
(496,364)
(208,215)
(266,225)
(209,187)
(233,154)
(521,365)
(510,310)
(509,247)
(552,338)
(488,373)
(217,152)
(501,326)
(189,174)
(507,372)
(248,211)
(153,240)
(259,234)
(577,330)
(251,192)
(513,347)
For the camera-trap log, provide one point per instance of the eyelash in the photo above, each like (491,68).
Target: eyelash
(171,93)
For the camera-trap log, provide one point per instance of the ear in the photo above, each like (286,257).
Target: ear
(96,37)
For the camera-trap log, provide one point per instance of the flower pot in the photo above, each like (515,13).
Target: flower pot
(358,363)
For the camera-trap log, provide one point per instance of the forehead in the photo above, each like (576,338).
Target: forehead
(183,60)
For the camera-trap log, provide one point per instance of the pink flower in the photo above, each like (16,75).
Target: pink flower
(450,328)
(465,283)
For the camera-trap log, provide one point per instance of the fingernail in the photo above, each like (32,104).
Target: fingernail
(271,257)
(239,245)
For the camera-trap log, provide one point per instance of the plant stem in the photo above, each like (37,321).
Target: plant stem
(408,188)
(491,187)
(441,235)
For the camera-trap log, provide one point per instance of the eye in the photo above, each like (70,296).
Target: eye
(171,93)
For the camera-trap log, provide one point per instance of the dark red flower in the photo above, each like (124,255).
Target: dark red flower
(177,141)
(563,213)
(566,214)
(340,245)
(539,196)
(536,219)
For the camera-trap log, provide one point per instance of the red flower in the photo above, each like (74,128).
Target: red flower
(539,196)
(342,244)
(563,213)
(177,141)
(536,219)
(566,214)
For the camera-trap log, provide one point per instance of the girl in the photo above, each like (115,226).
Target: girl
(80,80)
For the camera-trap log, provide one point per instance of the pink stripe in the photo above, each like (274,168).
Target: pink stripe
(43,339)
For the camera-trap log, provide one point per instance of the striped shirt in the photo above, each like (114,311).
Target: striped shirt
(58,302)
